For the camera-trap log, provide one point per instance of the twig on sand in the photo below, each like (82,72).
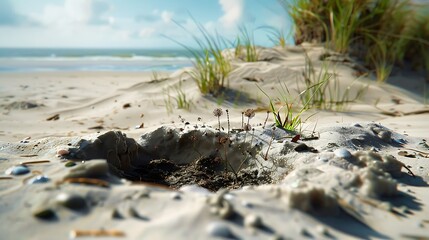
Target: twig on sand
(409,170)
(416,237)
(96,233)
(423,154)
(34,162)
(89,181)
(53,118)
(400,113)
(29,155)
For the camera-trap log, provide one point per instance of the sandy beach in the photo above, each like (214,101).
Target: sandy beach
(87,155)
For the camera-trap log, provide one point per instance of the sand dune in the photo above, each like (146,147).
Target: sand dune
(361,172)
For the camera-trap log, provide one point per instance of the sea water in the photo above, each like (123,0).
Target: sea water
(58,59)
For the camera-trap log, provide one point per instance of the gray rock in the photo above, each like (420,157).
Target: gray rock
(17,170)
(38,179)
(71,201)
(44,213)
(342,153)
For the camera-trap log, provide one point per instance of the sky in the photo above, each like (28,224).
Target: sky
(132,23)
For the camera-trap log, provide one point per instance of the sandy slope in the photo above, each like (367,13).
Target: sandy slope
(350,188)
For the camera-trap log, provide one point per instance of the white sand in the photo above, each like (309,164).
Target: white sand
(354,187)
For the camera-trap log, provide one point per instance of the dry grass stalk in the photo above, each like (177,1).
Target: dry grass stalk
(5,178)
(29,155)
(96,233)
(34,162)
(88,181)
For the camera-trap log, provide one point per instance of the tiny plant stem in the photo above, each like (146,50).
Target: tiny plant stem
(246,129)
(226,158)
(241,164)
(218,121)
(266,119)
(269,145)
(229,124)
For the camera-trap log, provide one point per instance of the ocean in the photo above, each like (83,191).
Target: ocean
(61,59)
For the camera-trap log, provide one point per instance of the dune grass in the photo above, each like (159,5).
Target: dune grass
(323,90)
(245,42)
(282,109)
(180,100)
(380,32)
(277,37)
(211,66)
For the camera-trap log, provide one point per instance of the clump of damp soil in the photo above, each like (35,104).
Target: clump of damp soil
(205,172)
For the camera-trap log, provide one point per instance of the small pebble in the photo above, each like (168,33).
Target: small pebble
(38,179)
(219,229)
(253,221)
(342,153)
(43,213)
(357,125)
(302,147)
(71,201)
(116,214)
(70,164)
(63,152)
(176,196)
(17,170)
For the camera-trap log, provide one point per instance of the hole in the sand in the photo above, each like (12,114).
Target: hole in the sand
(205,172)
(175,158)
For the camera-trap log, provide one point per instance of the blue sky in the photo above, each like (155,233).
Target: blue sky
(131,23)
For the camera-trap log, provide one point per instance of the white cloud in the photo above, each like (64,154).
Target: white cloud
(83,12)
(78,10)
(167,16)
(233,11)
